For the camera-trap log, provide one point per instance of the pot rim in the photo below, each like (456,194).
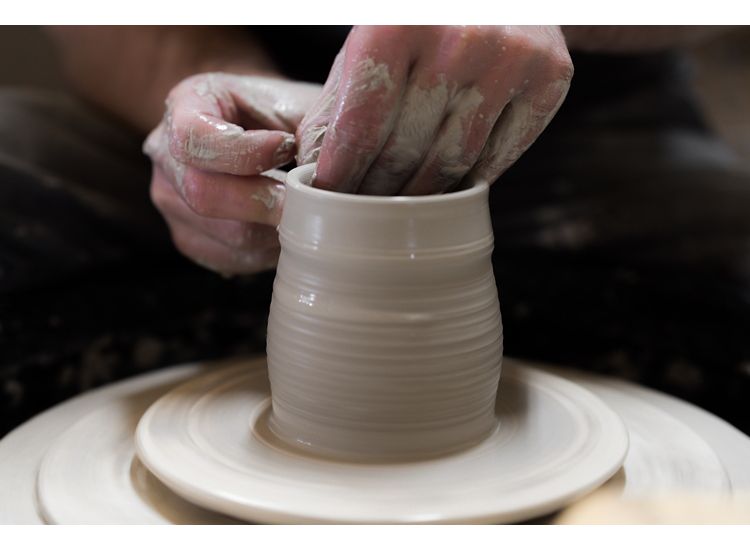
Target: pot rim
(294,179)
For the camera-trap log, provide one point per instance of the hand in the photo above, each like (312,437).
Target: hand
(211,154)
(418,110)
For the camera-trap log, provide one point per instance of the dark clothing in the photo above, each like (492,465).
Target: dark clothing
(622,246)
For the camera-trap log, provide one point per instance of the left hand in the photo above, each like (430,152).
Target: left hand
(417,110)
(212,155)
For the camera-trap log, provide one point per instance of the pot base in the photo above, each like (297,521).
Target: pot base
(265,426)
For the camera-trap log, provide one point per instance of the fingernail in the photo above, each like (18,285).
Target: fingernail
(284,152)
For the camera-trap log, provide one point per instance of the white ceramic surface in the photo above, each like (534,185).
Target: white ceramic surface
(665,453)
(384,335)
(730,444)
(209,441)
(22,450)
(91,475)
(102,482)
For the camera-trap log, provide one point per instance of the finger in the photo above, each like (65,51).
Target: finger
(156,147)
(373,79)
(217,257)
(257,199)
(521,122)
(313,127)
(422,111)
(210,143)
(201,133)
(460,140)
(237,235)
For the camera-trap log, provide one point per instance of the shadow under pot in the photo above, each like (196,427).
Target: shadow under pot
(384,336)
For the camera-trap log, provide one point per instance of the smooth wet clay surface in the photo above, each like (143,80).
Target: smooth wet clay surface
(384,336)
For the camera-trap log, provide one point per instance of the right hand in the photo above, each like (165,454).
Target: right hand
(219,134)
(417,110)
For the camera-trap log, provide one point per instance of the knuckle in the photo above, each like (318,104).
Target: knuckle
(448,170)
(178,135)
(458,43)
(196,192)
(184,136)
(566,70)
(153,145)
(561,65)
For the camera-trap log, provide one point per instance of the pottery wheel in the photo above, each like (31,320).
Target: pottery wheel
(91,474)
(665,454)
(209,442)
(668,451)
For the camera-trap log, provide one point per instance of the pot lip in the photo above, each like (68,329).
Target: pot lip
(294,180)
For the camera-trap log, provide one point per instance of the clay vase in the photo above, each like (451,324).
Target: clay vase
(384,336)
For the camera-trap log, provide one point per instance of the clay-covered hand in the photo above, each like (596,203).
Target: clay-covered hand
(416,110)
(219,135)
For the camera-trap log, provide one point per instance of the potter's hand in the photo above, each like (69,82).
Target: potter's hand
(414,110)
(219,134)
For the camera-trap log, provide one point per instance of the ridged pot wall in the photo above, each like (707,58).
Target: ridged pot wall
(384,337)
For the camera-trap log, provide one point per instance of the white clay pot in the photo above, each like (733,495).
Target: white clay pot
(384,336)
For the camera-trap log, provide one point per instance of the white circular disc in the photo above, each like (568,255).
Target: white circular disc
(665,454)
(90,475)
(208,441)
(22,450)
